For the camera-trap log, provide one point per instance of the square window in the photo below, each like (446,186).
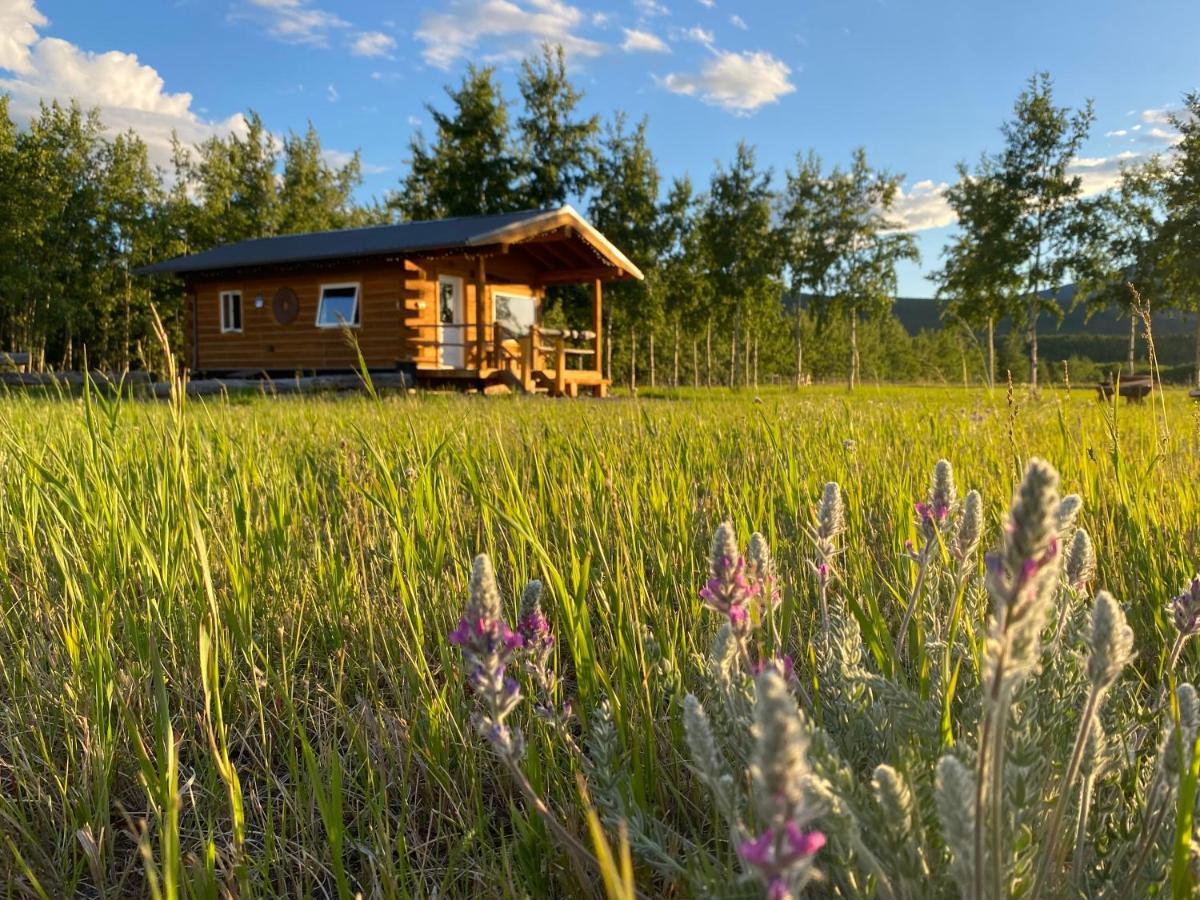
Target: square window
(338,306)
(231,312)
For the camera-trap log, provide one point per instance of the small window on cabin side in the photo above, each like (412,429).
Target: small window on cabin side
(338,306)
(231,312)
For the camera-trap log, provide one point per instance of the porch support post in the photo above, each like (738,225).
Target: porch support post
(480,295)
(598,322)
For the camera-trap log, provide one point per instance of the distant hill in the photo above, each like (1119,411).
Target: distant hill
(922,314)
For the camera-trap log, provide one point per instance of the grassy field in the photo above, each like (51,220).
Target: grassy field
(223,654)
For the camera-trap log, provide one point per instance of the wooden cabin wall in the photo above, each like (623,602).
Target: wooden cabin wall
(265,344)
(398,313)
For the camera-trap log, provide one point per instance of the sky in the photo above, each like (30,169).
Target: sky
(921,85)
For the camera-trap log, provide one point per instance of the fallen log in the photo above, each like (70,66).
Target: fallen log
(210,387)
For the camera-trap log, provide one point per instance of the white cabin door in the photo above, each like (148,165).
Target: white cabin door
(452,322)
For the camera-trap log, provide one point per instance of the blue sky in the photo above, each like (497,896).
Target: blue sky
(921,85)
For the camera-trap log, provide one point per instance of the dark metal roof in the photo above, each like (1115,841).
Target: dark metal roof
(378,240)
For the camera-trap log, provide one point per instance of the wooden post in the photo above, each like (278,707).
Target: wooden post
(598,322)
(560,365)
(527,366)
(480,297)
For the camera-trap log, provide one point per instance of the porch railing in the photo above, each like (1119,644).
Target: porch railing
(554,352)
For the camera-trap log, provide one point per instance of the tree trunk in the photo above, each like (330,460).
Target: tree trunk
(853,372)
(732,357)
(632,360)
(675,359)
(746,361)
(1198,349)
(695,363)
(756,363)
(708,356)
(608,349)
(1032,338)
(799,344)
(991,359)
(653,382)
(1132,340)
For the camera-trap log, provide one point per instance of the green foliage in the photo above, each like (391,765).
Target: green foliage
(841,243)
(471,168)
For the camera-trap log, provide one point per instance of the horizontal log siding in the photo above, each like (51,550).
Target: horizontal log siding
(266,344)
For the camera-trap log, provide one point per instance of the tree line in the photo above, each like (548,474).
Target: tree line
(748,277)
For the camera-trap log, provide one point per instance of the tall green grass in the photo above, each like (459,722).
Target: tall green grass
(223,663)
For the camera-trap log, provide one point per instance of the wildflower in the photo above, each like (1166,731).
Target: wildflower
(761,568)
(1185,609)
(729,589)
(830,523)
(781,855)
(955,799)
(970,527)
(1022,573)
(1185,615)
(488,646)
(1080,563)
(1110,640)
(781,663)
(934,513)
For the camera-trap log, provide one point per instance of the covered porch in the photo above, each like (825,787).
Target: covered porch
(486,325)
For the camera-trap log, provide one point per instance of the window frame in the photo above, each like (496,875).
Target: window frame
(227,327)
(357,313)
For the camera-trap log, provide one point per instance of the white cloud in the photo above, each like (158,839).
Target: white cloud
(19,21)
(651,7)
(738,22)
(128,94)
(643,41)
(697,34)
(515,26)
(1120,132)
(1098,174)
(373,43)
(923,206)
(332,93)
(709,3)
(336,159)
(737,82)
(292,21)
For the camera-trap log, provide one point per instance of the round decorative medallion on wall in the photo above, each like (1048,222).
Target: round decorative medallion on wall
(285,306)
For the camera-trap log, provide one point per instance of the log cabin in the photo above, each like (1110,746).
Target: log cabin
(451,301)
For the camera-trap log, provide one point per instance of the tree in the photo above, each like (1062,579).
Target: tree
(741,249)
(685,295)
(844,244)
(1041,142)
(315,196)
(1178,250)
(979,279)
(806,224)
(559,149)
(625,209)
(470,169)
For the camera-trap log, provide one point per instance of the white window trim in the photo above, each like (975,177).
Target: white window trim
(227,328)
(357,305)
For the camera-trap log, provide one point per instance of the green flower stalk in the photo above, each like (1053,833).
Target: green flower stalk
(829,525)
(1022,577)
(1110,645)
(934,519)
